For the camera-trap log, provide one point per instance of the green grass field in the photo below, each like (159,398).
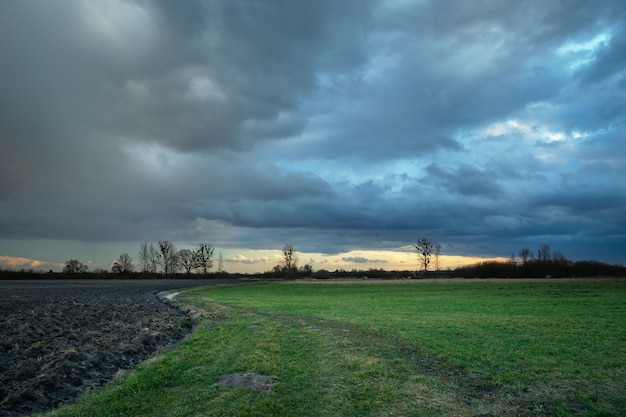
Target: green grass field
(396,349)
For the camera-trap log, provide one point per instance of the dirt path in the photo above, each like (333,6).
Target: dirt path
(59,338)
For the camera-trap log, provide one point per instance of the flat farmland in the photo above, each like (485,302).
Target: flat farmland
(446,348)
(60,338)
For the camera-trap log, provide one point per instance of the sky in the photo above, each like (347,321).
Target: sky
(348,129)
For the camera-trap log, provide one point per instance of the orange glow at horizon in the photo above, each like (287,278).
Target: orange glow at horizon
(258,261)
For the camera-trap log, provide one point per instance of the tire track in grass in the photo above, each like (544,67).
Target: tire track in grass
(339,369)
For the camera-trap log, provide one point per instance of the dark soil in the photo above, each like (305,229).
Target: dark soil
(61,338)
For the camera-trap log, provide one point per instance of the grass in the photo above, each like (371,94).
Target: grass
(429,349)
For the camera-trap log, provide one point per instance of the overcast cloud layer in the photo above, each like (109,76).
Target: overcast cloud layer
(334,125)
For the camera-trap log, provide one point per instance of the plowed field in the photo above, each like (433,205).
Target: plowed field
(59,338)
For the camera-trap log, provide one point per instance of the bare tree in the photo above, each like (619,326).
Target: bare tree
(148,256)
(154,259)
(543,254)
(144,257)
(290,259)
(558,257)
(187,260)
(437,255)
(166,258)
(73,266)
(203,256)
(123,265)
(220,263)
(524,254)
(424,248)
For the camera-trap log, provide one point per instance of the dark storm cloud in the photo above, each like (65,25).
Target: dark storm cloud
(192,76)
(466,180)
(333,125)
(438,69)
(250,65)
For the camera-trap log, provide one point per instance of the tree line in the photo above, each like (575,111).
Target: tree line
(160,258)
(547,264)
(163,258)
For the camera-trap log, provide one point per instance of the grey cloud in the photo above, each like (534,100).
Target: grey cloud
(197,76)
(587,202)
(466,180)
(525,22)
(434,86)
(240,259)
(262,59)
(607,149)
(121,203)
(362,260)
(609,59)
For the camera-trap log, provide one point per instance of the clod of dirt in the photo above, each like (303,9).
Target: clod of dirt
(249,380)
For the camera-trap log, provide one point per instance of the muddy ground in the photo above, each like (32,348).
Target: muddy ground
(60,338)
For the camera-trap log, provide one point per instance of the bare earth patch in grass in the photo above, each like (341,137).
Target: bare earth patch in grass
(249,380)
